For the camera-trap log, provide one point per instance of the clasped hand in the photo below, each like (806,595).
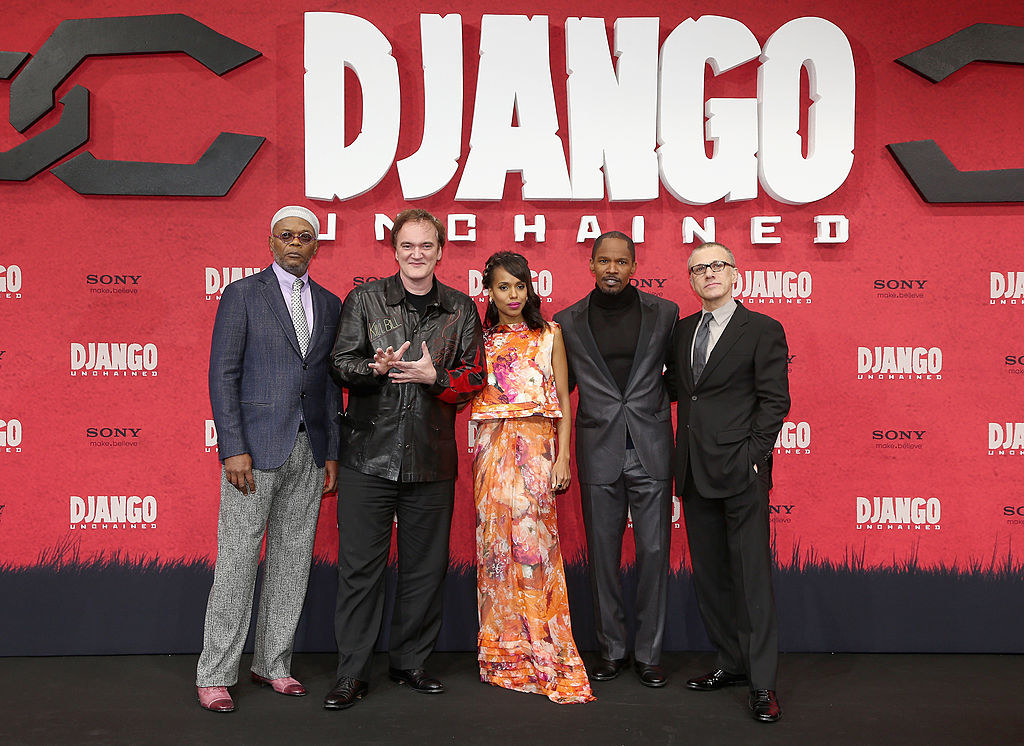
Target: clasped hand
(560,476)
(238,470)
(389,362)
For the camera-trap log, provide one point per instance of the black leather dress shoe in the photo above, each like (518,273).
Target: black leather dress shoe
(764,706)
(651,674)
(417,679)
(345,693)
(607,669)
(717,679)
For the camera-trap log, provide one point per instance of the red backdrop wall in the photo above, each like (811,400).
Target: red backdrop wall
(850,436)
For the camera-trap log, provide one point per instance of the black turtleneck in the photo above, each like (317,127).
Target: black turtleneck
(615,323)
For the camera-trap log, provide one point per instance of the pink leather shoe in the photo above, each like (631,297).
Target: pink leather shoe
(215,699)
(285,685)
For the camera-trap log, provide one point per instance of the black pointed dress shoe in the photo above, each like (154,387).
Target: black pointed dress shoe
(417,679)
(345,693)
(651,674)
(717,679)
(608,668)
(764,706)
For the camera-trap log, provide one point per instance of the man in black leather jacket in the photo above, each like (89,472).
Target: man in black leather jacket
(398,454)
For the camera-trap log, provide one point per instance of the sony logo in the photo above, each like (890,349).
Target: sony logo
(112,432)
(112,279)
(900,284)
(898,434)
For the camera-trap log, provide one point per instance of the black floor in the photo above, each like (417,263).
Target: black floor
(826,699)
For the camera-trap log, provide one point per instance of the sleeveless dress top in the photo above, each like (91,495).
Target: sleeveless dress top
(520,379)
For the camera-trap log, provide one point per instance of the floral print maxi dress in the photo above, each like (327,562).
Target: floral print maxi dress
(525,641)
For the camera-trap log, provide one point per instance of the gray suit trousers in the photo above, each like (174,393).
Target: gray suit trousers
(285,506)
(649,502)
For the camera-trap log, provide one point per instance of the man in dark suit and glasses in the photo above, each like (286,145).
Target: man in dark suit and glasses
(276,411)
(617,339)
(728,371)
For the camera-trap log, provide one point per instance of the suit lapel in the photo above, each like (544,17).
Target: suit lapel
(731,334)
(275,300)
(581,318)
(687,328)
(648,316)
(316,294)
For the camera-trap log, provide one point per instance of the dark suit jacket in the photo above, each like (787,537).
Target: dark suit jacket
(259,382)
(604,411)
(729,419)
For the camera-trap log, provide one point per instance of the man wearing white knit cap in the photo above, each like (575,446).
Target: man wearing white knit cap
(276,412)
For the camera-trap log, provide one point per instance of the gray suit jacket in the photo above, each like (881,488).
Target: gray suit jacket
(604,412)
(259,381)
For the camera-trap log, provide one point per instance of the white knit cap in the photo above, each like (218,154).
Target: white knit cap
(295,211)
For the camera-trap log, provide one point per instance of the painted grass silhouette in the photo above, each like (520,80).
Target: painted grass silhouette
(113,603)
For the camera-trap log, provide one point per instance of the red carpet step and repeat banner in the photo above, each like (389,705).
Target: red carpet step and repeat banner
(862,160)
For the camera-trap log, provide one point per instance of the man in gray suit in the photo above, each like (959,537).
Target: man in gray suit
(617,340)
(276,412)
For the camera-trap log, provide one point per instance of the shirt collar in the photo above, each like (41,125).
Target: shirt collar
(287,279)
(723,313)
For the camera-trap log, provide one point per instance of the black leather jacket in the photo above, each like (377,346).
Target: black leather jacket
(405,430)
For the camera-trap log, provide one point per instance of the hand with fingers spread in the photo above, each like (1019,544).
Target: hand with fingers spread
(417,371)
(383,360)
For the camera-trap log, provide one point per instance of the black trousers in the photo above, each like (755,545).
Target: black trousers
(730,550)
(367,507)
(649,502)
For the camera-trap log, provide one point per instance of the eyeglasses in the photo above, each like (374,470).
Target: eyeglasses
(304,238)
(716,267)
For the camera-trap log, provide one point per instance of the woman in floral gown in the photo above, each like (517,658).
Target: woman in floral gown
(522,458)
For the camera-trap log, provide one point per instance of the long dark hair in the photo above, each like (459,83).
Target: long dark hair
(515,264)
